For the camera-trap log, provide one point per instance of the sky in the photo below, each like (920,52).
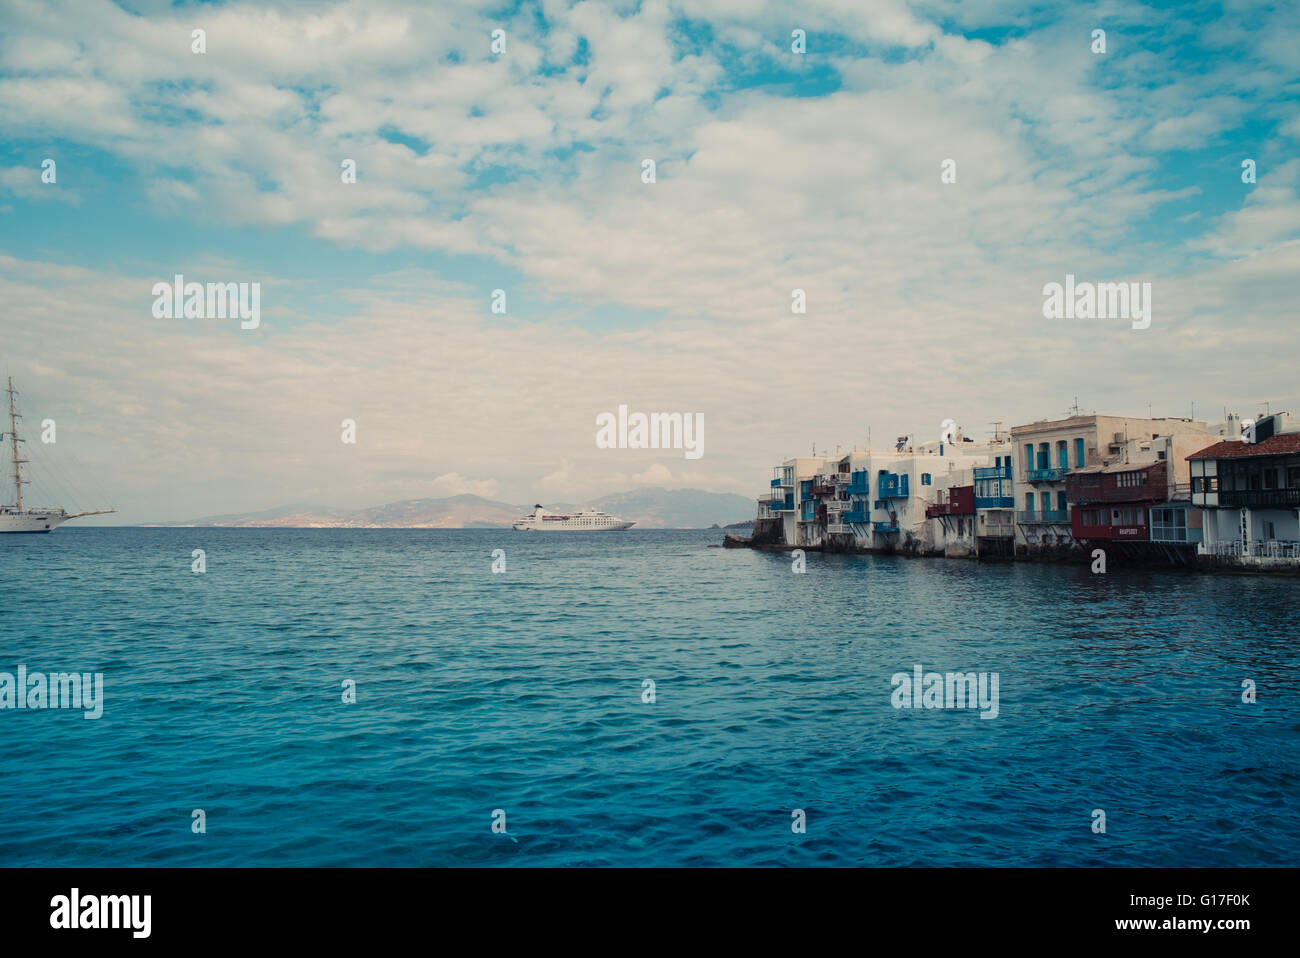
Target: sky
(522,170)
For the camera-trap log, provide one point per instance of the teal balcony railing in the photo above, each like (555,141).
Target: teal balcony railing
(1045,475)
(1046,515)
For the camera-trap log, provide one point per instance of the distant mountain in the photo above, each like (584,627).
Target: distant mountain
(649,508)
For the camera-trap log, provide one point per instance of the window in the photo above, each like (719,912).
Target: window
(925,479)
(1044,452)
(1060,501)
(1062,455)
(1078,453)
(1169,525)
(1268,531)
(1029,455)
(1197,482)
(1293,476)
(1029,502)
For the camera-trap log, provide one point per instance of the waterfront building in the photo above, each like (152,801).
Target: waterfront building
(995,503)
(1249,493)
(1139,503)
(790,504)
(1048,450)
(951,529)
(882,497)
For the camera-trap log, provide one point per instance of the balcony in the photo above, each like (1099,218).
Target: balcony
(782,504)
(1045,475)
(892,486)
(837,528)
(823,486)
(859,514)
(1048,515)
(776,483)
(993,472)
(997,530)
(954,501)
(858,484)
(1260,498)
(885,526)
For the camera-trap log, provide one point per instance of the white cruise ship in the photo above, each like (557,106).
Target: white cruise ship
(13,517)
(588,520)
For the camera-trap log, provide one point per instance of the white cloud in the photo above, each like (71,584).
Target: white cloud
(924,298)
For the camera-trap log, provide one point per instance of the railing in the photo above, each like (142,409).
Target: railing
(1276,549)
(1044,475)
(1047,515)
(775,483)
(995,502)
(998,530)
(1224,549)
(837,528)
(858,485)
(1285,498)
(993,472)
(836,505)
(856,515)
(885,526)
(1269,549)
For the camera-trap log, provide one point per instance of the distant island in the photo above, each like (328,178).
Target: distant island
(652,508)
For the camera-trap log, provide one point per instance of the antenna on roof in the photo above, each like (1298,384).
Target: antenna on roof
(1074,410)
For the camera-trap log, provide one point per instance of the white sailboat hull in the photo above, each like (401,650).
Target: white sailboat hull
(31,521)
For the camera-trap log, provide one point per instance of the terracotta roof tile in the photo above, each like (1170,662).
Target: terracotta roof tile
(1287,443)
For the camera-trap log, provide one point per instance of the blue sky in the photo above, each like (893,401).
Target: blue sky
(521,171)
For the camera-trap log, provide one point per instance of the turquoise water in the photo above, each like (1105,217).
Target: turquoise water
(522,691)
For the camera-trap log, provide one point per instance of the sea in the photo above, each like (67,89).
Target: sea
(340,697)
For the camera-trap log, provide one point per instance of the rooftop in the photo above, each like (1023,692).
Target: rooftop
(1285,444)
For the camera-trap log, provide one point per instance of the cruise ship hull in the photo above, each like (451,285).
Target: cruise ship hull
(30,521)
(562,527)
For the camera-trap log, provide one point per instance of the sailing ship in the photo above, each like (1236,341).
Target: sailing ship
(588,520)
(13,517)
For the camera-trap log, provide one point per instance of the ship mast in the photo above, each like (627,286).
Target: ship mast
(13,441)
